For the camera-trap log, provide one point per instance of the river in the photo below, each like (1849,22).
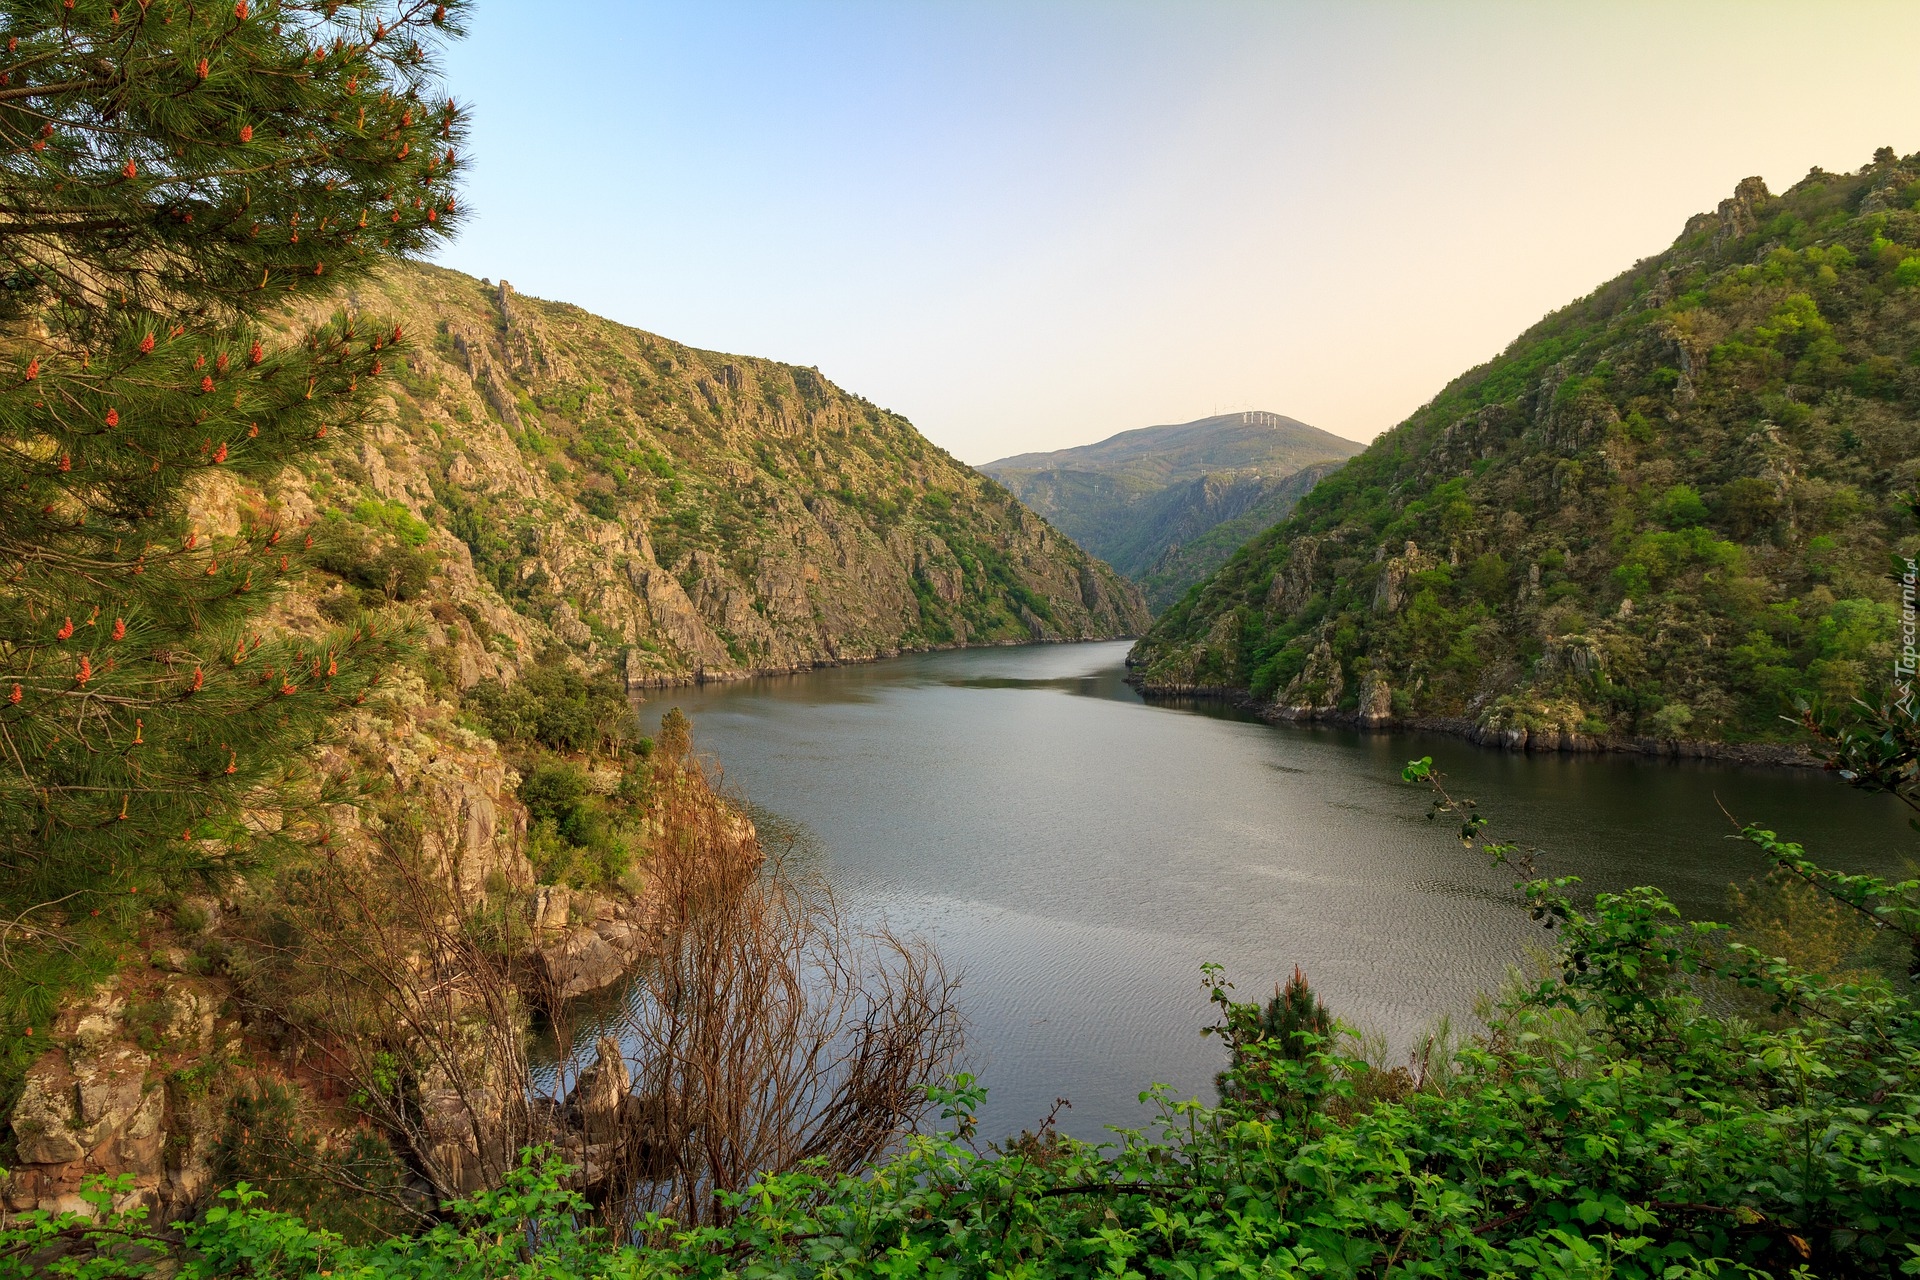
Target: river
(1077,853)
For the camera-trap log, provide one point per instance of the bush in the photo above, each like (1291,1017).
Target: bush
(1681,507)
(558,706)
(396,570)
(553,793)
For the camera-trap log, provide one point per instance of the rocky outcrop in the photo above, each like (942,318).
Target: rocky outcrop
(690,515)
(98,1104)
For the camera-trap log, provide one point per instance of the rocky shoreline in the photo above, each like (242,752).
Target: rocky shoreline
(1766,755)
(640,681)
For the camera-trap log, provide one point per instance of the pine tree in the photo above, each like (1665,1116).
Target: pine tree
(171,174)
(1296,1020)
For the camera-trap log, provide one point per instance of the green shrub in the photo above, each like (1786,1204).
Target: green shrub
(355,1187)
(396,569)
(556,705)
(553,793)
(1681,506)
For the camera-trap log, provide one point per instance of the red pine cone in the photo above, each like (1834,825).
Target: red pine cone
(206,383)
(220,454)
(246,133)
(203,68)
(146,344)
(65,632)
(119,628)
(131,169)
(113,417)
(33,368)
(255,355)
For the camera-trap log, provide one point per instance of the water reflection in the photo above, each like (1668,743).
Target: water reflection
(1079,853)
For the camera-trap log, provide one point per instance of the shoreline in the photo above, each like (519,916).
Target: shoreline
(642,684)
(1765,755)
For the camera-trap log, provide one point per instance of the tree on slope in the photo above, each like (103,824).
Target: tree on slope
(171,173)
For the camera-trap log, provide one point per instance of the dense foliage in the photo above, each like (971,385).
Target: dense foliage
(170,173)
(1659,1102)
(557,722)
(1665,511)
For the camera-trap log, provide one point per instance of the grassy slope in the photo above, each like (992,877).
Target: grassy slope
(1667,509)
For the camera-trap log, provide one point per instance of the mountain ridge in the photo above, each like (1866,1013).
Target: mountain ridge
(1247,430)
(700,515)
(1659,517)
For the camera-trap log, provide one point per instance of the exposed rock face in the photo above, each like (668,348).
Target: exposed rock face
(98,1104)
(600,1098)
(695,515)
(1376,702)
(120,1089)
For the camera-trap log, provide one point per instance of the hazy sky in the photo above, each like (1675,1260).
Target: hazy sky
(1031,224)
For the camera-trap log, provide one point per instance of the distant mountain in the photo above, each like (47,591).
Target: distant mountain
(1147,501)
(1201,523)
(1669,511)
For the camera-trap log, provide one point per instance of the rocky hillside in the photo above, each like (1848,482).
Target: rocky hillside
(1146,500)
(702,515)
(1664,513)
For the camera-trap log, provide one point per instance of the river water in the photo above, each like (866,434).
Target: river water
(1078,853)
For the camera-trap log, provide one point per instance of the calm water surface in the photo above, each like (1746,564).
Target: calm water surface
(1077,853)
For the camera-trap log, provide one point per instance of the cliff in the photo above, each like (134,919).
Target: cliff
(697,515)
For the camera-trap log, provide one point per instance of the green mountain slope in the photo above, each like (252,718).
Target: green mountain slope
(1665,511)
(1134,497)
(698,515)
(1198,525)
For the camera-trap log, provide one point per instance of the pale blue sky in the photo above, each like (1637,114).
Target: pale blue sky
(1030,225)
